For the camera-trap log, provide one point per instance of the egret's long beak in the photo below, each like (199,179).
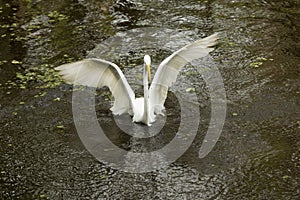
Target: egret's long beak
(149,72)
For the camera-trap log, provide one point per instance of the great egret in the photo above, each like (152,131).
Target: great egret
(96,72)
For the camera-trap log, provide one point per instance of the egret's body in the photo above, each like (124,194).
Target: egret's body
(98,73)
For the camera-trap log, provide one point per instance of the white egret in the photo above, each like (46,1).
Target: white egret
(96,72)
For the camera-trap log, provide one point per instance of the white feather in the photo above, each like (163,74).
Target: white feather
(98,73)
(147,60)
(168,70)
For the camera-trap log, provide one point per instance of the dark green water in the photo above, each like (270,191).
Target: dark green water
(258,153)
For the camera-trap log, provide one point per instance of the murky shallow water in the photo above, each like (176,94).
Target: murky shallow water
(257,155)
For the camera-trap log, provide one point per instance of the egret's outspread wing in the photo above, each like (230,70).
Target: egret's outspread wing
(98,73)
(168,70)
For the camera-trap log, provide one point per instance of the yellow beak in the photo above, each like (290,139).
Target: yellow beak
(149,72)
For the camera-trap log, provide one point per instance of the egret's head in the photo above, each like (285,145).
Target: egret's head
(147,61)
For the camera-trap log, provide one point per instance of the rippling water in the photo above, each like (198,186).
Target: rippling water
(257,155)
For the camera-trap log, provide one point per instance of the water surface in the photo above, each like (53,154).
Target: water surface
(257,155)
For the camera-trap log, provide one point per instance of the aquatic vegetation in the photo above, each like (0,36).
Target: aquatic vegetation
(55,16)
(44,76)
(259,61)
(234,114)
(190,90)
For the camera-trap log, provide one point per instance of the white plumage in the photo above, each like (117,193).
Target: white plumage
(98,73)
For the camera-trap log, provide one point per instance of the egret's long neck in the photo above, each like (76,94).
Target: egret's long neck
(146,95)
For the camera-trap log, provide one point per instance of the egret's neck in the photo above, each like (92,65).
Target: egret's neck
(146,96)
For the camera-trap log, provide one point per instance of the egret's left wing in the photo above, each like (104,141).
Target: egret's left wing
(168,70)
(98,73)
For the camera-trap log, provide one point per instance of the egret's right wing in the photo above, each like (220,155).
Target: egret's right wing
(98,73)
(168,70)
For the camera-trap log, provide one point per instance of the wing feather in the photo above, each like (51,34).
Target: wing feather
(98,73)
(168,70)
